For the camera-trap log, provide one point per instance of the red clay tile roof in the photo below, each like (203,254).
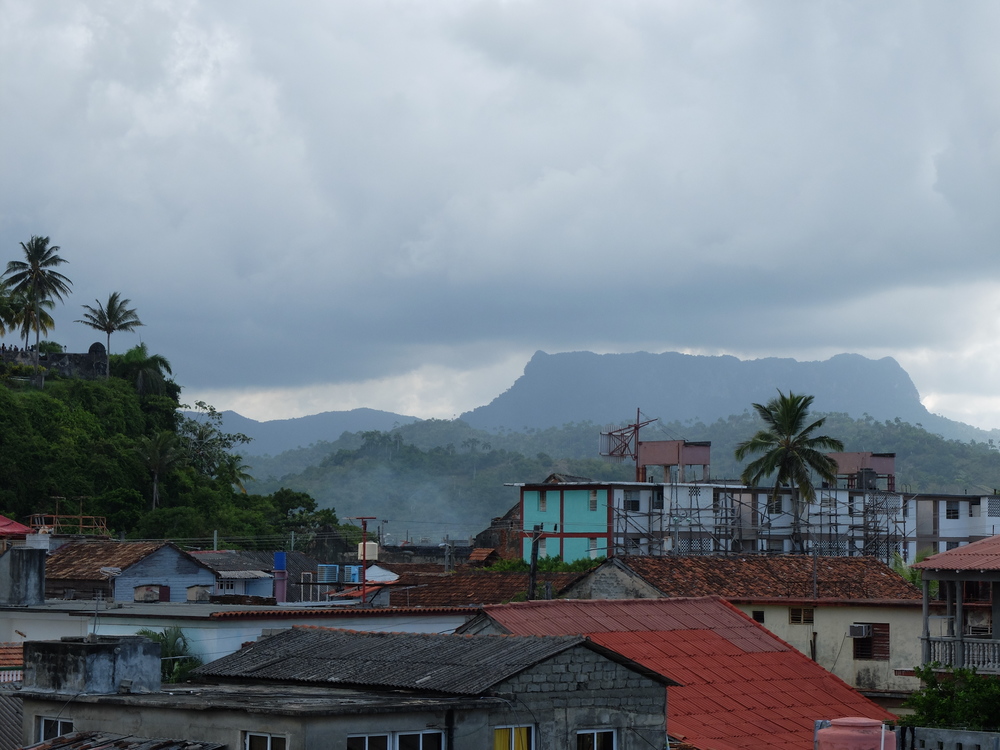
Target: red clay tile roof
(481,554)
(83,561)
(470,589)
(781,576)
(11,655)
(981,555)
(741,686)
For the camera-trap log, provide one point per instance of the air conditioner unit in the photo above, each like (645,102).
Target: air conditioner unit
(859,631)
(327,573)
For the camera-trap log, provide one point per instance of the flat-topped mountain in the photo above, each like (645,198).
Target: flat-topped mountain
(607,388)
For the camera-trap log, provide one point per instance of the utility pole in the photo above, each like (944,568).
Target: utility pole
(536,534)
(364,555)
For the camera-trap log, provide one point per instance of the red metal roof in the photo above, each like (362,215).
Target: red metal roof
(10,527)
(741,686)
(981,555)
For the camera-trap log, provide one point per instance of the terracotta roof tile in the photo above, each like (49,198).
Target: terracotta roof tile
(83,561)
(782,576)
(741,686)
(11,655)
(470,589)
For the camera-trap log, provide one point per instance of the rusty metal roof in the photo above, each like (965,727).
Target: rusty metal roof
(83,561)
(982,555)
(782,576)
(741,686)
(112,741)
(450,664)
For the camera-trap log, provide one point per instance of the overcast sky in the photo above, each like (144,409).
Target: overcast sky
(317,206)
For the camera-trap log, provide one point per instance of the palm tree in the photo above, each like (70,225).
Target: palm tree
(115,316)
(22,313)
(159,454)
(6,308)
(36,278)
(789,451)
(143,369)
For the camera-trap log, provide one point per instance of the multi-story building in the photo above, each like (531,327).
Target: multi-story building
(864,514)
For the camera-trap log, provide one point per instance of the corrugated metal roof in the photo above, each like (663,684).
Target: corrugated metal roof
(771,576)
(242,574)
(981,555)
(296,563)
(741,686)
(457,665)
(111,741)
(449,664)
(10,527)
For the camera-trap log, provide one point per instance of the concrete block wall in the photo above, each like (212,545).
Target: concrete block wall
(581,689)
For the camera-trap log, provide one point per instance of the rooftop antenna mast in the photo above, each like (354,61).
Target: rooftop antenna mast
(364,555)
(620,443)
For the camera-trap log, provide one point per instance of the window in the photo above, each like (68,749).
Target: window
(951,545)
(593,501)
(419,741)
(800,615)
(592,547)
(52,727)
(512,738)
(906,509)
(397,741)
(632,501)
(542,505)
(975,508)
(656,502)
(951,509)
(774,504)
(597,739)
(369,742)
(263,741)
(758,615)
(876,646)
(541,547)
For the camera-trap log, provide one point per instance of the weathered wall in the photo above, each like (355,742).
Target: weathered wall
(610,581)
(96,666)
(580,689)
(22,577)
(85,366)
(165,567)
(835,650)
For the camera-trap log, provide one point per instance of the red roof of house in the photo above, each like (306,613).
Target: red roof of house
(981,555)
(11,655)
(470,588)
(781,576)
(10,527)
(741,686)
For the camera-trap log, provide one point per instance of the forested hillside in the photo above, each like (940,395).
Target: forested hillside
(119,448)
(446,473)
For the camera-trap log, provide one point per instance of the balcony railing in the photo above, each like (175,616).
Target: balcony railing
(978,652)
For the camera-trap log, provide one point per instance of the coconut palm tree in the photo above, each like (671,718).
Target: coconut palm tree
(22,313)
(147,371)
(115,316)
(789,452)
(159,454)
(36,278)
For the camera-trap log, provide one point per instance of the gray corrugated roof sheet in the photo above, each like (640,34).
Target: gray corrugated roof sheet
(111,741)
(458,665)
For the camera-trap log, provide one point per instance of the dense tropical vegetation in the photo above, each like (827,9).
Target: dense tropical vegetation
(121,448)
